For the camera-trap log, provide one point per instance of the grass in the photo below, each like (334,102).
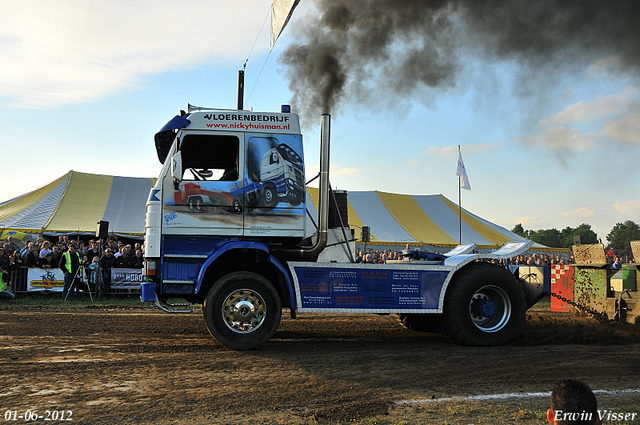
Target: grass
(54,299)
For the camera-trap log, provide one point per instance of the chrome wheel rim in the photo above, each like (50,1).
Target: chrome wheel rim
(244,311)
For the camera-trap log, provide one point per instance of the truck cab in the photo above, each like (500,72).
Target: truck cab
(231,181)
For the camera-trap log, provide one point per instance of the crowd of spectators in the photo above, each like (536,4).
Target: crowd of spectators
(541,260)
(45,253)
(381,256)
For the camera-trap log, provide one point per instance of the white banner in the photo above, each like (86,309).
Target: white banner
(126,278)
(45,280)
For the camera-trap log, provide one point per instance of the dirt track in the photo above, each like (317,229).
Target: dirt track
(143,366)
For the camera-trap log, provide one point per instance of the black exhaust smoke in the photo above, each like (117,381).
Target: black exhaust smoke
(378,52)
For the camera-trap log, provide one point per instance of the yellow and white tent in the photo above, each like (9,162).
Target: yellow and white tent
(431,221)
(75,202)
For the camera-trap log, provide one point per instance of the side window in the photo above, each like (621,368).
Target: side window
(207,157)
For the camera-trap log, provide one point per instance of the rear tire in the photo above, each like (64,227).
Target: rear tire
(242,310)
(484,306)
(237,204)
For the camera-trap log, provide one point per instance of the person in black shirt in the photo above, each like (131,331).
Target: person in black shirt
(29,258)
(138,260)
(5,263)
(107,262)
(46,261)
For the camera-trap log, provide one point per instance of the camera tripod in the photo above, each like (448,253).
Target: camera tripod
(79,276)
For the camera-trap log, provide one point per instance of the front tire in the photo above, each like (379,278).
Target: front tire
(242,310)
(269,197)
(484,306)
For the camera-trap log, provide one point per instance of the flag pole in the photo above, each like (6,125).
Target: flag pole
(459,205)
(463,183)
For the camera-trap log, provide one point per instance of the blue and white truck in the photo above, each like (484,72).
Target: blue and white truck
(246,261)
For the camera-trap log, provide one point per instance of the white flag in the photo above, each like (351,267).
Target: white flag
(461,172)
(281,11)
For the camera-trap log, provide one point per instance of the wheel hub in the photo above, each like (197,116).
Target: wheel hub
(482,307)
(490,308)
(244,311)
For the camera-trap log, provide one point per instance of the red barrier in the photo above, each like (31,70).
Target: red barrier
(562,283)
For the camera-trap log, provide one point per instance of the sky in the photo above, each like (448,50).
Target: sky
(549,130)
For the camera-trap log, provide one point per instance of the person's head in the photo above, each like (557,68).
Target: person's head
(573,402)
(95,260)
(48,256)
(72,248)
(108,252)
(32,246)
(138,253)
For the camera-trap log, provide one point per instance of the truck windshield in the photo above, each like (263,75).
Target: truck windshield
(288,154)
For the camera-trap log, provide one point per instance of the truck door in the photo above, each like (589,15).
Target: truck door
(203,199)
(274,186)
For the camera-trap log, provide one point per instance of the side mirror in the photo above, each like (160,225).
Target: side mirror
(176,169)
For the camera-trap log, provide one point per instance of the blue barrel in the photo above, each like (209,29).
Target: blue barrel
(148,293)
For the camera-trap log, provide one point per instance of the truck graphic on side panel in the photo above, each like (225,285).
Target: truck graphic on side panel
(280,178)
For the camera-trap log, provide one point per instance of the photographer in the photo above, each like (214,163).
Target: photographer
(70,262)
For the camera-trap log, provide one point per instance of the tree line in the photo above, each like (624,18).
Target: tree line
(619,237)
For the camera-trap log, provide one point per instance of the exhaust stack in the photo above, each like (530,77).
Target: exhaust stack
(323,204)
